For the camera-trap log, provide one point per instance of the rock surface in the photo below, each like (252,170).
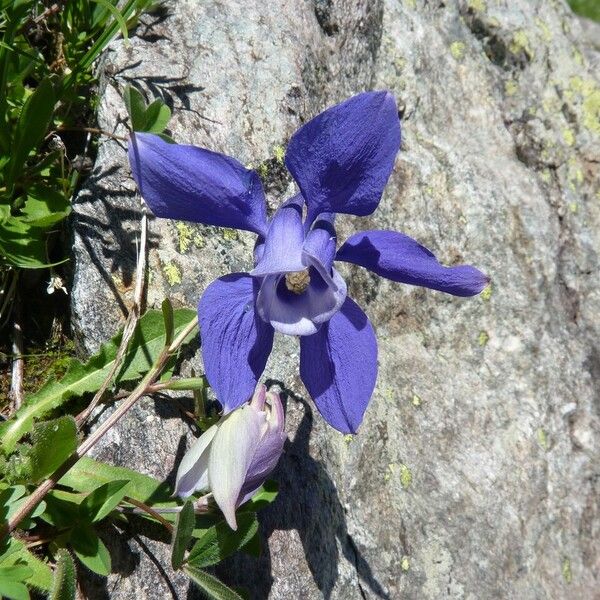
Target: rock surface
(476,471)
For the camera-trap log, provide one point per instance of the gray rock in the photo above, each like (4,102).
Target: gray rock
(475,473)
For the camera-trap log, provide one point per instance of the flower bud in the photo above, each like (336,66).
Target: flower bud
(233,458)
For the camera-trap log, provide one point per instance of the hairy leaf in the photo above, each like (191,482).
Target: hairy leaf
(220,541)
(101,501)
(182,534)
(210,585)
(14,553)
(65,585)
(52,443)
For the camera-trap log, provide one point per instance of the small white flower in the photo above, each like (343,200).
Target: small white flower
(56,283)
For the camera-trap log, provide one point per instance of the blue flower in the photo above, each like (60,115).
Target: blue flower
(341,161)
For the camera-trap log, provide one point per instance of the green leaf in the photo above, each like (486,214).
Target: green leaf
(52,443)
(88,473)
(136,107)
(65,584)
(13,590)
(90,550)
(15,573)
(101,501)
(80,378)
(14,553)
(157,117)
(220,541)
(210,585)
(23,244)
(183,533)
(264,496)
(167,311)
(44,206)
(32,126)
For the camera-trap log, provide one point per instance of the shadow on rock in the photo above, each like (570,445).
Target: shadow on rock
(308,503)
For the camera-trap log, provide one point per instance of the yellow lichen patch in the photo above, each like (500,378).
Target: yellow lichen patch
(520,43)
(279,154)
(348,438)
(263,170)
(483,338)
(546,176)
(411,3)
(573,207)
(405,563)
(590,93)
(172,273)
(416,401)
(511,87)
(405,476)
(457,49)
(566,570)
(477,5)
(542,439)
(546,33)
(574,174)
(229,235)
(184,236)
(568,136)
(486,294)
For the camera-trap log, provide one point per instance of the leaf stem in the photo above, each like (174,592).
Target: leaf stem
(132,320)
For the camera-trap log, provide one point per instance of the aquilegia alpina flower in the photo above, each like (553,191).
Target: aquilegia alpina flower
(341,161)
(233,458)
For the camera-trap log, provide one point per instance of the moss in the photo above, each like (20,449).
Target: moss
(172,273)
(457,49)
(511,87)
(567,573)
(405,476)
(483,338)
(405,563)
(520,43)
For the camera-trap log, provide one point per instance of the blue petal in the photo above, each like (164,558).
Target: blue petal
(194,184)
(319,246)
(236,343)
(338,366)
(282,250)
(343,158)
(400,258)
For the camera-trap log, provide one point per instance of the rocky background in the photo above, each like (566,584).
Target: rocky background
(476,471)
